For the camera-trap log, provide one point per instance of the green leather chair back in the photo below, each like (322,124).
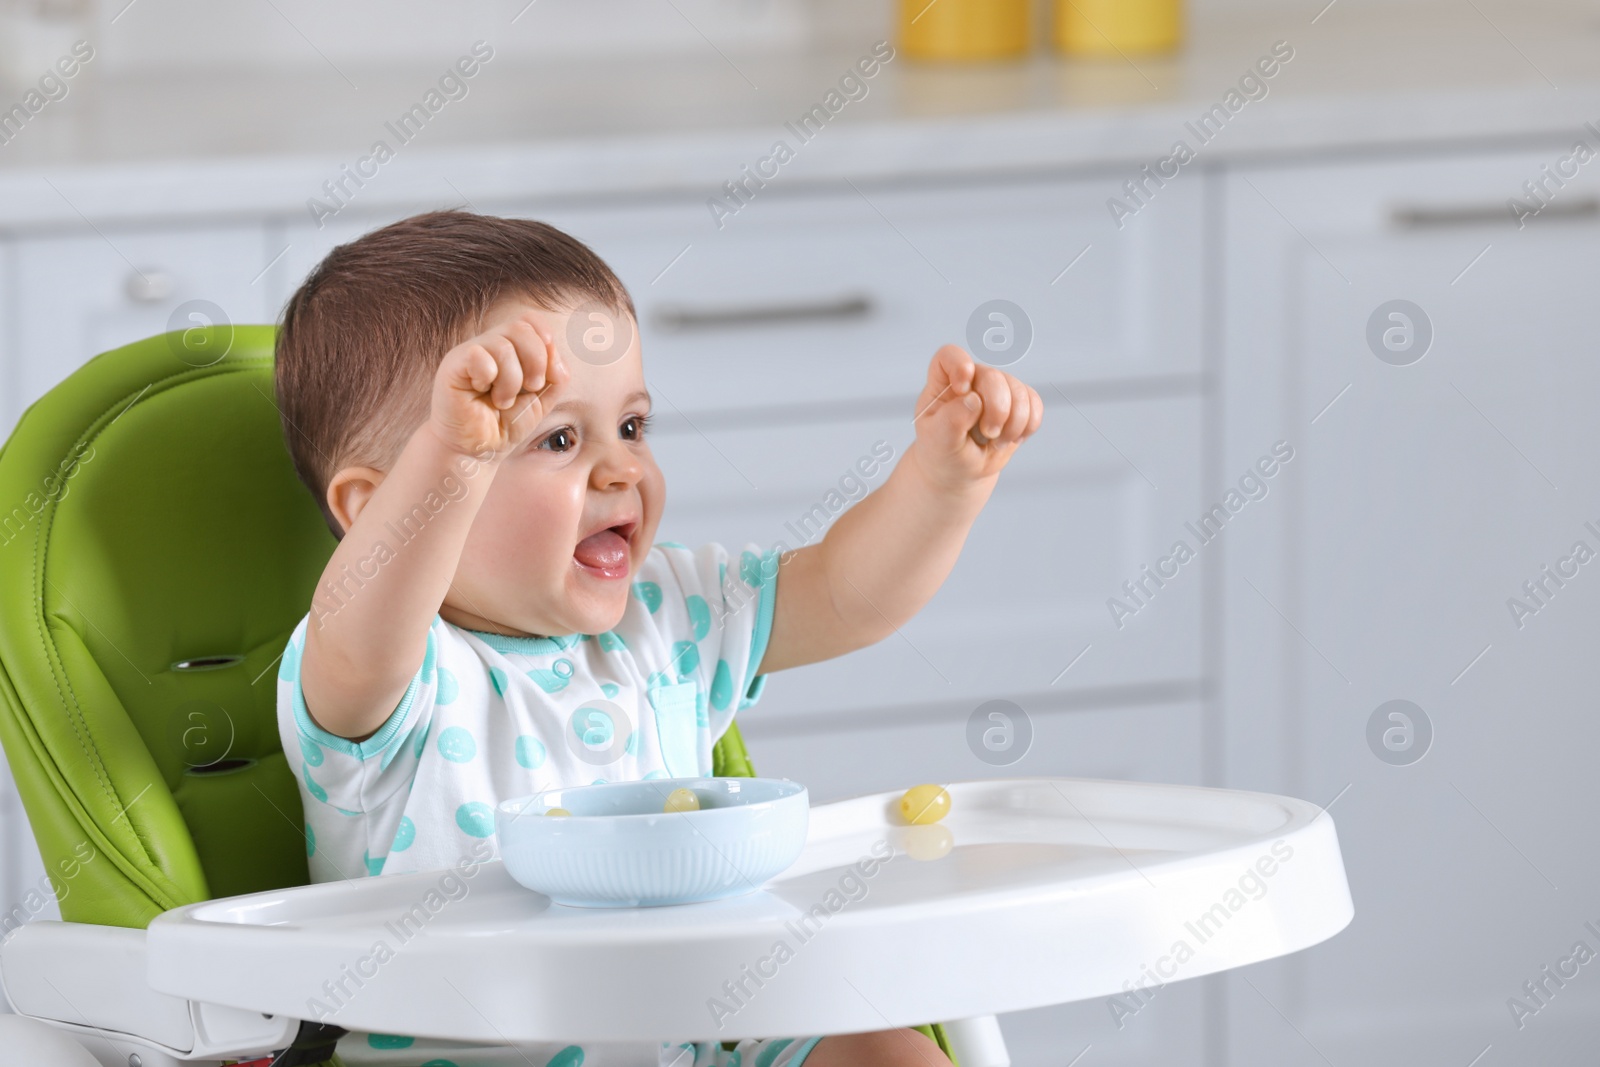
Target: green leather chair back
(156,551)
(149,517)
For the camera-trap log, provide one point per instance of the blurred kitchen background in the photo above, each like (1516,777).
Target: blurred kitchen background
(1380,259)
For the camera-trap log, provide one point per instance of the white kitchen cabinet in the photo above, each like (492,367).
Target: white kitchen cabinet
(8,300)
(1070,520)
(1423,494)
(78,294)
(24,887)
(23,880)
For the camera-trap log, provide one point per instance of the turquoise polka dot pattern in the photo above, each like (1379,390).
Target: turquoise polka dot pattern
(530,752)
(721,686)
(389,1041)
(448,688)
(554,679)
(771,1052)
(311,841)
(735,1058)
(497,678)
(699,615)
(609,689)
(374,866)
(404,834)
(671,544)
(686,657)
(441,1063)
(422,739)
(456,745)
(475,818)
(632,747)
(311,751)
(571,1056)
(346,812)
(598,781)
(648,594)
(750,569)
(611,641)
(658,679)
(311,785)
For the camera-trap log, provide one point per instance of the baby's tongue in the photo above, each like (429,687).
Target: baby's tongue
(606,550)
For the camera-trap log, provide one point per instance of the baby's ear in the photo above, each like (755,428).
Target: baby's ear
(348,493)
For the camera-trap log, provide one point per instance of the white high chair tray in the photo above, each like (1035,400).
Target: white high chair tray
(1055,889)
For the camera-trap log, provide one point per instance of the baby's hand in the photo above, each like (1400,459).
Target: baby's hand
(970,418)
(487,392)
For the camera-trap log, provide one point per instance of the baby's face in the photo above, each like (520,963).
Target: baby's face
(573,510)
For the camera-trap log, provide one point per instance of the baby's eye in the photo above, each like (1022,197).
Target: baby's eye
(634,427)
(561,440)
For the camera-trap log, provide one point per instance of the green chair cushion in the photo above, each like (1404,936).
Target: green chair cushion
(156,519)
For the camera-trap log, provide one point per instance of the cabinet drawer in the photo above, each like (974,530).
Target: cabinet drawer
(809,298)
(803,299)
(79,295)
(1071,519)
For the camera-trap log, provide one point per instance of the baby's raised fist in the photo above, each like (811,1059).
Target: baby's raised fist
(971,417)
(488,392)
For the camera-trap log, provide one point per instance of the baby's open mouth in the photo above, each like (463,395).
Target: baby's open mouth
(604,553)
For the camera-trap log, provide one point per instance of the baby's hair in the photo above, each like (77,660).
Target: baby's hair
(359,342)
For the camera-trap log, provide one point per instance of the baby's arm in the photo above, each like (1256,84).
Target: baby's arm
(363,645)
(882,560)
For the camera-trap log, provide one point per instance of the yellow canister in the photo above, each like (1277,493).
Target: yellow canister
(1117,27)
(964,29)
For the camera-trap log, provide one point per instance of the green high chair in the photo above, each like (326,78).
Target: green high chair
(156,551)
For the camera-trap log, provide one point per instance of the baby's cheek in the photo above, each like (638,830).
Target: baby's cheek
(540,522)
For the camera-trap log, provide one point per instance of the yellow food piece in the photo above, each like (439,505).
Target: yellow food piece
(924,804)
(682,800)
(558,811)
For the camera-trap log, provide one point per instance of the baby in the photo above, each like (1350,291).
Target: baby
(498,618)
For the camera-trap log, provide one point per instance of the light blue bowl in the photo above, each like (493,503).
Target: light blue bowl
(619,849)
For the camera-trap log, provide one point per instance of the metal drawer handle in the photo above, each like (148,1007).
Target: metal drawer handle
(683,318)
(1430,218)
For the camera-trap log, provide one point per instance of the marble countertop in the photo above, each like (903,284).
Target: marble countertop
(1364,76)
